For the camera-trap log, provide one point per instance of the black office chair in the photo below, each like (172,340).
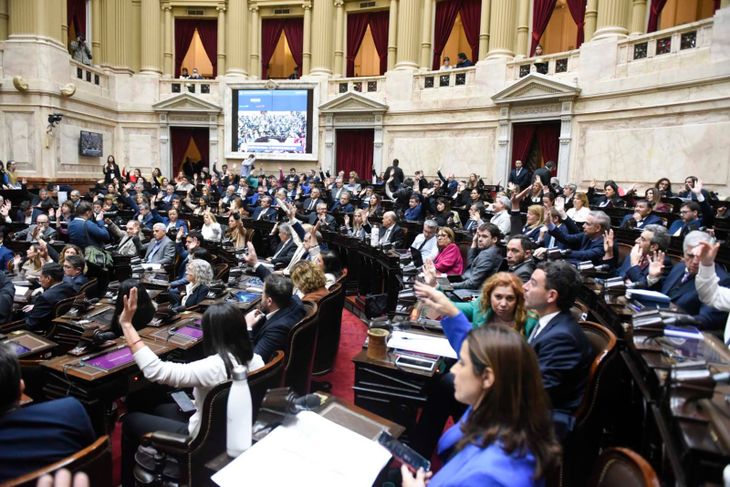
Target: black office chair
(621,467)
(329,324)
(300,355)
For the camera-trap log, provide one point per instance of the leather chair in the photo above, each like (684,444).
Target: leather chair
(63,306)
(95,460)
(193,453)
(6,328)
(621,467)
(583,443)
(329,323)
(300,356)
(90,289)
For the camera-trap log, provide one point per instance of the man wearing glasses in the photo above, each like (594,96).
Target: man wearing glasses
(39,230)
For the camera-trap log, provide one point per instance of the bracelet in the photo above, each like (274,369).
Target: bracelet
(135,342)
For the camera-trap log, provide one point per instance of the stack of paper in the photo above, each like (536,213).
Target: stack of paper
(416,342)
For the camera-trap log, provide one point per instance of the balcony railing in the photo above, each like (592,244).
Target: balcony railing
(666,42)
(364,84)
(551,64)
(447,78)
(89,75)
(206,88)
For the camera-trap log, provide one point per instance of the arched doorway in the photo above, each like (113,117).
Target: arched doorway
(535,143)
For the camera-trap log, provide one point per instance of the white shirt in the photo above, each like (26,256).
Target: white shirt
(541,324)
(712,294)
(202,375)
(212,232)
(578,215)
(503,222)
(429,249)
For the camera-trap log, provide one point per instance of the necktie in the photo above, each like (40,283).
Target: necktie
(533,334)
(423,243)
(685,277)
(261,214)
(154,251)
(311,204)
(386,236)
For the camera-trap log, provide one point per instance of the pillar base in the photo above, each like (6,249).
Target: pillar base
(150,71)
(407,65)
(500,53)
(236,72)
(612,31)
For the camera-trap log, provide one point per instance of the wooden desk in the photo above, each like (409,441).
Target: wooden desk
(166,334)
(29,346)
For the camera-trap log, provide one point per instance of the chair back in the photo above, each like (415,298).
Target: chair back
(90,289)
(220,272)
(621,467)
(329,323)
(300,356)
(212,435)
(63,306)
(95,460)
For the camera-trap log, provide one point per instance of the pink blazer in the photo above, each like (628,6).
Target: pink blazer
(449,260)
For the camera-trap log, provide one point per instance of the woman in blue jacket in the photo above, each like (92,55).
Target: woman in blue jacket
(506,436)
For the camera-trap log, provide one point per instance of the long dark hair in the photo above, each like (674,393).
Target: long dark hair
(331,262)
(224,333)
(145,308)
(515,410)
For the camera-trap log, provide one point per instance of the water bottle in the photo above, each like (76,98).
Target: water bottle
(238,436)
(375,236)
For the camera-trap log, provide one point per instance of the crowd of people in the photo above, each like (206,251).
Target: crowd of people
(475,233)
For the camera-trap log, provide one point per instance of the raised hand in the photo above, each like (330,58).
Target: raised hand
(635,255)
(130,308)
(347,220)
(697,188)
(251,258)
(656,264)
(429,272)
(435,300)
(593,184)
(708,253)
(608,239)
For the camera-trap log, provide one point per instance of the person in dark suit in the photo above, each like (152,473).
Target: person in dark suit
(160,250)
(278,312)
(286,248)
(679,284)
(544,173)
(7,294)
(38,435)
(690,219)
(199,274)
(396,172)
(463,61)
(343,205)
(563,351)
(483,259)
(328,222)
(519,257)
(84,232)
(27,214)
(265,211)
(520,176)
(73,271)
(391,233)
(635,267)
(641,217)
(310,204)
(6,255)
(693,190)
(589,244)
(40,314)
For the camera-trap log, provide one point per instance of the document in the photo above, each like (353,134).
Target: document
(310,451)
(416,342)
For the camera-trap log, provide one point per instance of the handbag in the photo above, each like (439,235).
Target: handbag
(96,256)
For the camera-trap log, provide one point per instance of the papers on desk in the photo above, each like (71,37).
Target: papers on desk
(21,290)
(312,451)
(647,295)
(152,266)
(416,342)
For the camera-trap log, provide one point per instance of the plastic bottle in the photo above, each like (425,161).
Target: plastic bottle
(238,435)
(375,236)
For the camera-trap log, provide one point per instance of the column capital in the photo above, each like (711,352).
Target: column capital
(339,3)
(220,7)
(166,6)
(253,9)
(307,5)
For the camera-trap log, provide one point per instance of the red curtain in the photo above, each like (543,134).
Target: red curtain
(471,11)
(184,31)
(355,151)
(202,140)
(271,30)
(716,4)
(522,136)
(548,137)
(357,24)
(76,16)
(180,139)
(654,12)
(208,30)
(379,29)
(578,12)
(294,32)
(542,10)
(446,12)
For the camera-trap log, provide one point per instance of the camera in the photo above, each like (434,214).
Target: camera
(54,118)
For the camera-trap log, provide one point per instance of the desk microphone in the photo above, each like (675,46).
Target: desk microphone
(305,403)
(100,337)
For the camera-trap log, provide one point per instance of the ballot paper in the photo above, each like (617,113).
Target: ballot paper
(416,342)
(309,451)
(21,291)
(647,295)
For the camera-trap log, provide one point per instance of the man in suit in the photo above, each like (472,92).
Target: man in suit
(520,175)
(396,172)
(39,230)
(160,250)
(147,217)
(328,222)
(38,435)
(690,219)
(7,295)
(563,352)
(635,267)
(484,257)
(569,195)
(589,244)
(501,216)
(693,190)
(129,241)
(187,252)
(544,173)
(39,315)
(679,285)
(6,255)
(336,190)
(286,248)
(277,313)
(519,257)
(391,233)
(344,205)
(310,204)
(641,217)
(44,200)
(73,272)
(425,242)
(265,211)
(27,214)
(165,202)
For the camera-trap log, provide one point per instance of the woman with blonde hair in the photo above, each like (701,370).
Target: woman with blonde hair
(211,229)
(449,259)
(580,209)
(535,219)
(309,280)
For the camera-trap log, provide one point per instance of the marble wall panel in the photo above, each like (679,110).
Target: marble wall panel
(20,143)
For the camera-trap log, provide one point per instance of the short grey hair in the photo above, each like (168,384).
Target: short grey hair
(202,271)
(135,223)
(505,201)
(572,187)
(159,226)
(660,236)
(285,228)
(602,219)
(391,214)
(431,224)
(694,238)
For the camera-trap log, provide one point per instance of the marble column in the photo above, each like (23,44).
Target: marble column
(150,51)
(237,18)
(408,30)
(339,38)
(123,15)
(612,18)
(426,27)
(64,23)
(392,33)
(523,28)
(638,17)
(502,27)
(3,20)
(484,28)
(96,31)
(322,19)
(222,48)
(590,19)
(254,67)
(168,62)
(307,45)
(24,17)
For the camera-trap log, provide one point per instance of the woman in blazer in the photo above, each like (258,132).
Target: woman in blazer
(199,274)
(449,259)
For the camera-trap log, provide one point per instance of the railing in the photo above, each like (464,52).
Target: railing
(447,78)
(551,64)
(176,86)
(364,84)
(666,42)
(89,74)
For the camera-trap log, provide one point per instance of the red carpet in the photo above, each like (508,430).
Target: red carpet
(342,377)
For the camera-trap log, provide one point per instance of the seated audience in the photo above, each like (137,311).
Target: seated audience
(580,209)
(635,267)
(130,243)
(448,260)
(414,212)
(73,270)
(519,257)
(587,245)
(40,230)
(483,259)
(390,232)
(665,188)
(610,197)
(326,221)
(265,211)
(475,218)
(33,263)
(641,217)
(211,229)
(236,233)
(343,205)
(501,216)
(535,219)
(40,314)
(360,228)
(693,190)
(654,197)
(690,220)
(285,249)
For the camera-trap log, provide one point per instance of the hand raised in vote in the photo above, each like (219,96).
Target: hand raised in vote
(429,272)
(435,300)
(708,253)
(251,258)
(635,255)
(63,479)
(130,308)
(656,264)
(608,239)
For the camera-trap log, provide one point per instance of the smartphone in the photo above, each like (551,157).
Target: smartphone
(415,363)
(404,453)
(183,401)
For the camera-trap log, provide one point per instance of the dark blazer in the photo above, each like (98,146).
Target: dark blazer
(268,213)
(544,174)
(198,294)
(481,264)
(150,219)
(7,294)
(311,204)
(6,255)
(286,252)
(20,215)
(582,247)
(348,208)
(34,436)
(685,296)
(270,335)
(523,270)
(651,219)
(39,319)
(76,281)
(396,236)
(522,180)
(87,232)
(330,223)
(686,227)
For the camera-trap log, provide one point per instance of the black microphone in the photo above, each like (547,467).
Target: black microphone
(103,336)
(305,403)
